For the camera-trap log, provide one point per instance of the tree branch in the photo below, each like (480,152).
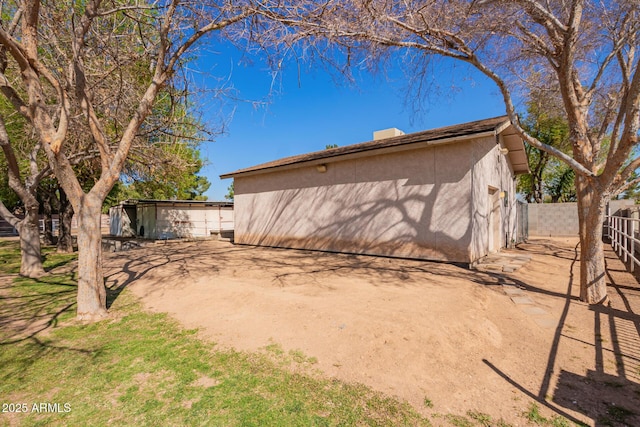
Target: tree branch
(8,216)
(13,169)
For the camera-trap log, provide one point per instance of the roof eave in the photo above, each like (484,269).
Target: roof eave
(517,155)
(374,151)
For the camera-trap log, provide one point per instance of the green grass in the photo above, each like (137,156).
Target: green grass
(9,257)
(485,419)
(534,416)
(475,418)
(459,421)
(144,369)
(616,415)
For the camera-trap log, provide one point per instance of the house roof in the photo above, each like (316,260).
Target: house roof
(448,134)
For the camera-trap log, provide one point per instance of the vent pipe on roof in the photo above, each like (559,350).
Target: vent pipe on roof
(386,133)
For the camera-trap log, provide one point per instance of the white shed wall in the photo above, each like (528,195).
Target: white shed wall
(168,221)
(115,220)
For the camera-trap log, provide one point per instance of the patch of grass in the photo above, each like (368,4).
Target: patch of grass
(428,403)
(144,369)
(604,421)
(619,413)
(459,421)
(278,355)
(298,356)
(534,416)
(52,259)
(558,421)
(482,418)
(10,257)
(275,349)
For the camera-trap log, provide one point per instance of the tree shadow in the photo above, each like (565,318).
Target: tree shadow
(608,399)
(64,259)
(168,264)
(172,259)
(546,247)
(24,315)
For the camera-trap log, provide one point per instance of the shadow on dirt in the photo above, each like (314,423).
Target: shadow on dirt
(607,399)
(598,394)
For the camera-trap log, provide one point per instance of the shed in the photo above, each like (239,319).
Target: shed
(170,219)
(444,194)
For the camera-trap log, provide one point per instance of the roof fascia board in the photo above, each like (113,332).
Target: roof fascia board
(367,153)
(149,202)
(500,128)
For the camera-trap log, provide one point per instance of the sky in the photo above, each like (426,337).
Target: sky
(311,107)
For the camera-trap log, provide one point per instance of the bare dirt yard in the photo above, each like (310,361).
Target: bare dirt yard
(429,333)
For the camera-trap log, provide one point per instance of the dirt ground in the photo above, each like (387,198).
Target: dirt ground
(463,339)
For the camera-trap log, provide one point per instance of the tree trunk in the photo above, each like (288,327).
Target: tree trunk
(47,212)
(31,263)
(591,212)
(65,241)
(537,185)
(92,295)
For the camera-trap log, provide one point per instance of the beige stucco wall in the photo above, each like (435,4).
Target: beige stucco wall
(491,169)
(414,203)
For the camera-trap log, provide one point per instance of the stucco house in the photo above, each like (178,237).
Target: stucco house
(444,194)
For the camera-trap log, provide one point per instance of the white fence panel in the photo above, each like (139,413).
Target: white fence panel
(622,232)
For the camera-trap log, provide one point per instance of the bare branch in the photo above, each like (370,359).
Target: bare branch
(625,187)
(13,220)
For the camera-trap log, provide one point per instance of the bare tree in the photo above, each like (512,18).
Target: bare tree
(586,49)
(79,61)
(23,182)
(25,185)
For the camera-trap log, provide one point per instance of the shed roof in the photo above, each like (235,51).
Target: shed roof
(448,134)
(134,202)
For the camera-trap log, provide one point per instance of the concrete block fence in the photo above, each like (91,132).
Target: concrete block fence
(561,219)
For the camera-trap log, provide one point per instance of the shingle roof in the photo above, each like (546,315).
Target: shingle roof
(433,135)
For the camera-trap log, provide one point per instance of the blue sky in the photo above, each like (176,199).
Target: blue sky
(311,108)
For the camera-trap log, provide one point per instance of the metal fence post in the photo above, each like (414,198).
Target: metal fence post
(616,227)
(625,247)
(619,237)
(633,244)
